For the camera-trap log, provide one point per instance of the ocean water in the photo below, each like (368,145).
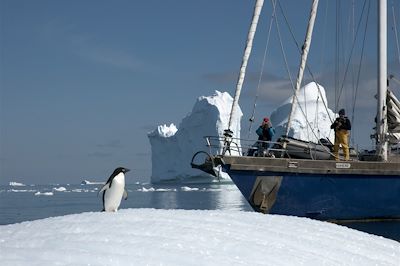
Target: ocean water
(32,202)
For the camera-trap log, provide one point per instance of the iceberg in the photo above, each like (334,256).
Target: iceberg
(172,148)
(60,189)
(87,182)
(311,107)
(16,184)
(44,193)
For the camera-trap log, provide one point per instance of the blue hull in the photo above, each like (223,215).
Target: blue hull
(329,197)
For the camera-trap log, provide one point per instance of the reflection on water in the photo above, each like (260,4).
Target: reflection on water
(194,197)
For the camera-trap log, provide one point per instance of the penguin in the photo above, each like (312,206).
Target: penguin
(114,190)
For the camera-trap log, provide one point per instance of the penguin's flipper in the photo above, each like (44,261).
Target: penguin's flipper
(102,189)
(125,195)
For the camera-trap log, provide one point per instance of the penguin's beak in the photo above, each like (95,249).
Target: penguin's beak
(127,170)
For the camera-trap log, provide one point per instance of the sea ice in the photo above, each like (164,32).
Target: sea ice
(16,184)
(44,193)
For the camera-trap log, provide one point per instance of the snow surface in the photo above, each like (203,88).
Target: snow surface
(190,237)
(312,102)
(172,149)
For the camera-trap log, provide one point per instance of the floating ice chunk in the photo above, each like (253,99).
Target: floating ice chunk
(143,189)
(21,190)
(189,189)
(16,184)
(59,189)
(87,182)
(44,193)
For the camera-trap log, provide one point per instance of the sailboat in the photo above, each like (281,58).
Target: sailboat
(366,188)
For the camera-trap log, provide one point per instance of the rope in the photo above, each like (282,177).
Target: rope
(395,32)
(337,51)
(261,73)
(281,44)
(308,69)
(351,54)
(359,68)
(324,33)
(245,58)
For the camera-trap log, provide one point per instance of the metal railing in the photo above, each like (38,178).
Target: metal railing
(219,145)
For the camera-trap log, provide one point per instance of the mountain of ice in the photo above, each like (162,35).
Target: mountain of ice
(311,106)
(173,148)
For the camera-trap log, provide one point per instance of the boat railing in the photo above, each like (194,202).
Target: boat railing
(222,145)
(219,145)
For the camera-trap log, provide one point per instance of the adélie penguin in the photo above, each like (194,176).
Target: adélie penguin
(114,190)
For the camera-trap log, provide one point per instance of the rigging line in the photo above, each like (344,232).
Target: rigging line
(261,72)
(281,44)
(359,67)
(308,68)
(287,66)
(395,33)
(353,34)
(287,69)
(351,72)
(351,54)
(324,33)
(337,50)
(245,59)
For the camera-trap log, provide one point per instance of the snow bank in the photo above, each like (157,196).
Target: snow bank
(179,237)
(172,149)
(311,102)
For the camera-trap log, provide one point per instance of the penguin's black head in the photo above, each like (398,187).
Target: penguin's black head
(121,169)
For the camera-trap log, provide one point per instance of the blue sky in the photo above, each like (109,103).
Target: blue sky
(83,82)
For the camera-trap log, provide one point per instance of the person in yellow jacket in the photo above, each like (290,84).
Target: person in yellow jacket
(342,126)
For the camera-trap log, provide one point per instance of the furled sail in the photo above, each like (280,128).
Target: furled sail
(393,117)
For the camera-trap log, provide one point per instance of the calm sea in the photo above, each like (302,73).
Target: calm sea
(32,202)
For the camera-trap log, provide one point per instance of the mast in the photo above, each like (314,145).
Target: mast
(247,52)
(304,54)
(381,121)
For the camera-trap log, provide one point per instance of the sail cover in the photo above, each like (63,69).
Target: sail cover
(393,117)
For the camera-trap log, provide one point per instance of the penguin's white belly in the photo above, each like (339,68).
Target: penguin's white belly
(113,195)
